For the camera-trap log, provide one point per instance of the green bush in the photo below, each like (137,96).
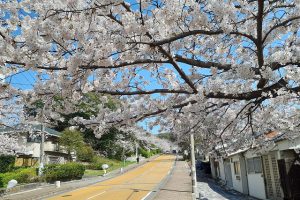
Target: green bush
(63,172)
(85,154)
(27,175)
(145,153)
(7,162)
(155,151)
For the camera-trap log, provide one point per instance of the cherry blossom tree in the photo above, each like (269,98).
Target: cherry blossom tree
(9,145)
(11,109)
(221,69)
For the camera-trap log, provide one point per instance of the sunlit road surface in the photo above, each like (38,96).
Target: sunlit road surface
(133,185)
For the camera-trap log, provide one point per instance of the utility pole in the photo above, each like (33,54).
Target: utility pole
(42,144)
(136,151)
(42,152)
(123,157)
(194,179)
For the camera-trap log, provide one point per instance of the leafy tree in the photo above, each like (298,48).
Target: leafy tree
(110,143)
(72,141)
(85,153)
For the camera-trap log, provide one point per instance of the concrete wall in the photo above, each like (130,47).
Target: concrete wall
(244,174)
(212,166)
(221,170)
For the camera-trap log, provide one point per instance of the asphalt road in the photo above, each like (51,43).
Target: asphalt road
(133,185)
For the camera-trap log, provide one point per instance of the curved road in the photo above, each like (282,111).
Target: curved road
(133,185)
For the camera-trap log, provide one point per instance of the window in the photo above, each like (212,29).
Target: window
(257,165)
(254,165)
(237,169)
(33,138)
(250,165)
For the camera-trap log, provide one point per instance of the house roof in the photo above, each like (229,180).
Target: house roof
(271,134)
(237,152)
(38,127)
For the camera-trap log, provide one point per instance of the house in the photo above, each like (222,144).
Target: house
(281,164)
(30,139)
(272,172)
(238,170)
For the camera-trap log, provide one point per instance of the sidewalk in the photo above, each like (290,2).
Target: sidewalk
(179,184)
(46,190)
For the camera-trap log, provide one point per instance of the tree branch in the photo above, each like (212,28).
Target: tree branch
(179,70)
(248,95)
(141,92)
(202,64)
(279,25)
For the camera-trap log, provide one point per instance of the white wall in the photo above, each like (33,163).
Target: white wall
(34,148)
(30,147)
(237,184)
(49,146)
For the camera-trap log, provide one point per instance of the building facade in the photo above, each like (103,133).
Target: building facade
(270,173)
(31,143)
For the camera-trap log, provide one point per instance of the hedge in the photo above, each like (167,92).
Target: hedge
(63,172)
(7,162)
(27,175)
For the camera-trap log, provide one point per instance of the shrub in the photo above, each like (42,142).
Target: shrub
(155,151)
(85,153)
(145,153)
(27,175)
(7,162)
(97,163)
(63,172)
(95,166)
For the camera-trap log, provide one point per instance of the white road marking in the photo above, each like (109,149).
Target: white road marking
(146,196)
(23,192)
(96,195)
